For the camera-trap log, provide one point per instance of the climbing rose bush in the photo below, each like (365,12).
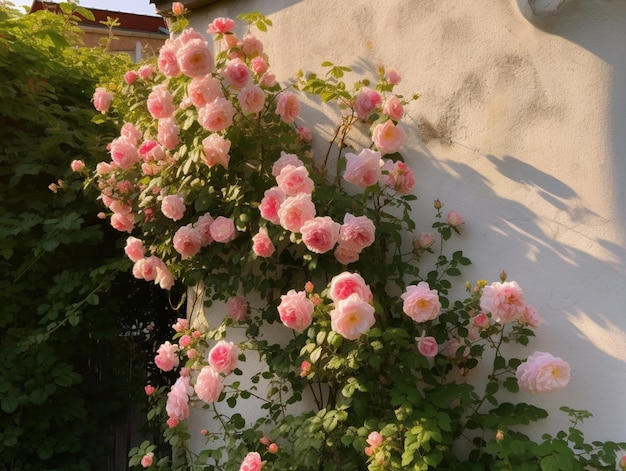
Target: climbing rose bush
(216,181)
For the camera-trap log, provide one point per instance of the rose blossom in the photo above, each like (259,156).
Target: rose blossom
(505,301)
(167,61)
(427,346)
(173,207)
(134,249)
(208,385)
(295,211)
(251,99)
(530,316)
(217,115)
(184,341)
(145,71)
(346,284)
(166,358)
(163,277)
(262,245)
(130,77)
(204,90)
(284,160)
(392,76)
(203,226)
(542,372)
(178,8)
(123,222)
(216,150)
(252,462)
(149,389)
(181,324)
(421,303)
(366,101)
(288,107)
(481,320)
(320,234)
(295,310)
(426,239)
(258,65)
(357,233)
(146,460)
(222,229)
(345,255)
(237,308)
(221,26)
(305,134)
(272,199)
(123,153)
(363,169)
(454,219)
(388,137)
(77,165)
(251,45)
(160,102)
(374,439)
(269,80)
(293,180)
(352,317)
(168,133)
(237,74)
(402,177)
(187,241)
(393,108)
(102,99)
(223,357)
(195,58)
(305,368)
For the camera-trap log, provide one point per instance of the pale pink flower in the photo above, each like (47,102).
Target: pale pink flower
(217,115)
(130,77)
(258,65)
(505,301)
(173,207)
(530,316)
(146,460)
(454,219)
(296,310)
(284,160)
(294,180)
(252,462)
(177,406)
(251,99)
(166,358)
(288,107)
(272,199)
(403,178)
(181,324)
(77,165)
(269,80)
(427,346)
(134,249)
(102,99)
(393,108)
(542,373)
(123,222)
(216,150)
(388,137)
(160,102)
(346,284)
(392,76)
(363,169)
(195,58)
(352,317)
(237,74)
(208,385)
(204,90)
(223,357)
(130,132)
(345,255)
(366,101)
(164,277)
(102,168)
(221,26)
(451,348)
(187,241)
(357,233)
(222,229)
(262,245)
(481,320)
(421,303)
(305,135)
(123,153)
(178,8)
(426,239)
(168,133)
(231,40)
(237,308)
(203,226)
(251,45)
(320,234)
(295,211)
(374,439)
(145,71)
(167,61)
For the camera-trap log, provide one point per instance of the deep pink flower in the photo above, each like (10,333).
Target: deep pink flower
(149,390)
(146,460)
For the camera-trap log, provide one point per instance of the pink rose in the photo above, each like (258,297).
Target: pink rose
(293,180)
(421,303)
(357,233)
(366,101)
(505,301)
(258,65)
(102,99)
(284,160)
(177,406)
(388,137)
(363,169)
(168,133)
(346,284)
(272,199)
(288,107)
(237,74)
(145,71)
(222,229)
(269,80)
(123,153)
(251,45)
(237,308)
(427,346)
(251,99)
(195,58)
(181,324)
(123,222)
(454,219)
(295,211)
(296,310)
(167,61)
(320,234)
(252,462)
(204,90)
(403,178)
(352,317)
(208,385)
(187,241)
(223,357)
(374,439)
(221,26)
(262,245)
(146,460)
(530,316)
(345,254)
(216,150)
(392,76)
(178,8)
(166,358)
(393,108)
(130,132)
(305,134)
(160,102)
(130,77)
(134,249)
(425,239)
(542,372)
(77,165)
(173,207)
(481,320)
(217,115)
(203,226)
(149,390)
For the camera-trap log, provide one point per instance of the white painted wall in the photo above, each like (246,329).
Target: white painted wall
(520,128)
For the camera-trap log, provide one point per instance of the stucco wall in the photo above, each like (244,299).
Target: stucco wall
(520,129)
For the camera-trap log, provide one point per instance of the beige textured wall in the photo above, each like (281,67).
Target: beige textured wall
(520,128)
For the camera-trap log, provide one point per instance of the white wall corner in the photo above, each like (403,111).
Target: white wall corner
(537,8)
